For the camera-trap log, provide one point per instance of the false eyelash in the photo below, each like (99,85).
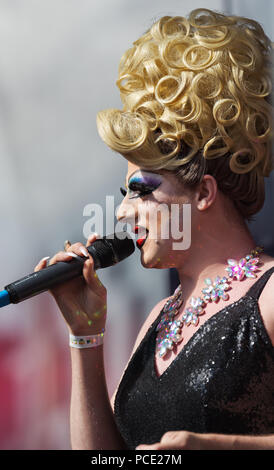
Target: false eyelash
(141,188)
(136,187)
(123,191)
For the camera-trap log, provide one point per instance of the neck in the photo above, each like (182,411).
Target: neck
(208,254)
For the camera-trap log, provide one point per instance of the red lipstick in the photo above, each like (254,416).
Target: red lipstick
(140,241)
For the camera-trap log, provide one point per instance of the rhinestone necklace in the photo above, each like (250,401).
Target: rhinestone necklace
(170,330)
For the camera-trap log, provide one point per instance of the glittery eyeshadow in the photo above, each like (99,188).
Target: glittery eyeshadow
(146,178)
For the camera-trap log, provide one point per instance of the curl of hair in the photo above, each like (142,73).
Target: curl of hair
(198,89)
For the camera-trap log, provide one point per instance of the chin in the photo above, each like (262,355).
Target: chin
(154,256)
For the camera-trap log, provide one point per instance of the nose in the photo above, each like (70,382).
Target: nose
(127,212)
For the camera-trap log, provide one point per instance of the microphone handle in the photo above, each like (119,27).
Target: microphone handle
(41,281)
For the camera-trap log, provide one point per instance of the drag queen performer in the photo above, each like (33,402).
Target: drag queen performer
(196,129)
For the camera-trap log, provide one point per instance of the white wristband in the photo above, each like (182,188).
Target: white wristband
(90,341)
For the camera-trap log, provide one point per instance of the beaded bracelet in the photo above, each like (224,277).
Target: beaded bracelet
(90,341)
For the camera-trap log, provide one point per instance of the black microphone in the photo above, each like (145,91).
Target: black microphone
(106,251)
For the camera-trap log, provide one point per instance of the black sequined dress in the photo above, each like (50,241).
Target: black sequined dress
(222,381)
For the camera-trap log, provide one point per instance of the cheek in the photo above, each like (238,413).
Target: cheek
(159,215)
(145,211)
(155,216)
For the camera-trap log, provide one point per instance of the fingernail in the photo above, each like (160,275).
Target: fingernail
(94,234)
(69,253)
(66,243)
(44,259)
(84,251)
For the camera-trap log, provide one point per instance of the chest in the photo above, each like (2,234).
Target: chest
(265,310)
(211,386)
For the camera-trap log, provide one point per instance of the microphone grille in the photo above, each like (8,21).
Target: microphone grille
(111,249)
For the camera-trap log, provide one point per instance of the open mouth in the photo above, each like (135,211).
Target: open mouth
(143,232)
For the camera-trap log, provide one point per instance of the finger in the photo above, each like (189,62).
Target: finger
(160,446)
(42,264)
(62,256)
(149,447)
(176,440)
(92,238)
(67,244)
(168,446)
(172,436)
(79,249)
(91,276)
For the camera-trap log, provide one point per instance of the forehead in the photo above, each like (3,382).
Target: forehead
(131,168)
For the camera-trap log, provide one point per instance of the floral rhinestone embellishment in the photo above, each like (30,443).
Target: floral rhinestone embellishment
(170,330)
(216,290)
(169,336)
(245,267)
(191,315)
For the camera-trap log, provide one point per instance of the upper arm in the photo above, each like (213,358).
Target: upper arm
(149,320)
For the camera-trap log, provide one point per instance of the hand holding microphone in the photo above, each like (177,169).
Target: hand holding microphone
(82,300)
(72,280)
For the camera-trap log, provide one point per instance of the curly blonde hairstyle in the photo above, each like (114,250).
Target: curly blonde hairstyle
(196,100)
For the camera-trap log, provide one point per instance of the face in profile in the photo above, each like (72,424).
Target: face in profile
(153,206)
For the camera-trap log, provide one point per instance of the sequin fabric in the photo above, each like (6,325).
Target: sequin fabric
(222,381)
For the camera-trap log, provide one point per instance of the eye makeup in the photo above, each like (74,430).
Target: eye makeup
(123,191)
(142,183)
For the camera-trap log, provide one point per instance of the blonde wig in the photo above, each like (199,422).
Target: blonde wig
(196,100)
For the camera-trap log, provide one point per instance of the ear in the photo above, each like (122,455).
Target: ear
(206,194)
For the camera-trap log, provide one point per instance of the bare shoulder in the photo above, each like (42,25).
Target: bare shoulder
(266,300)
(144,328)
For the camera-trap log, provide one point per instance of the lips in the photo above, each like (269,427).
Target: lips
(143,232)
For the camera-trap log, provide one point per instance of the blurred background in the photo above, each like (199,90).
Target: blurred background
(58,67)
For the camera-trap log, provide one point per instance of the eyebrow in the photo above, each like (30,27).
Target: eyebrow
(147,171)
(130,178)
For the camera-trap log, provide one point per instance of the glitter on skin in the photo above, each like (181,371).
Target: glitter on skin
(83,314)
(78,312)
(97,314)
